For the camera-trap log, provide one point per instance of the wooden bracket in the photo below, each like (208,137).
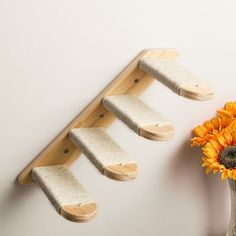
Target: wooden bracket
(61,150)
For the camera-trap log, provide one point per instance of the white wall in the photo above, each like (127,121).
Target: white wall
(55,56)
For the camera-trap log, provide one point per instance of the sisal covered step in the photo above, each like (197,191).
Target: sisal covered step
(66,194)
(139,117)
(107,156)
(177,78)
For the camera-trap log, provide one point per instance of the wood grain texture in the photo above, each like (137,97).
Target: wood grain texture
(61,150)
(121,172)
(79,213)
(157,133)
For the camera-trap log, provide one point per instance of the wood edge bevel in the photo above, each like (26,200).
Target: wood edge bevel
(121,172)
(79,213)
(199,91)
(157,133)
(196,96)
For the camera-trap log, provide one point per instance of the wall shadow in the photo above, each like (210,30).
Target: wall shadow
(187,162)
(13,199)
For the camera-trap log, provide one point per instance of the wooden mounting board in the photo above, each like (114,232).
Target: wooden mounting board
(61,150)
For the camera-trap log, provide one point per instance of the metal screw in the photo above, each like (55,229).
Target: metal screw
(66,150)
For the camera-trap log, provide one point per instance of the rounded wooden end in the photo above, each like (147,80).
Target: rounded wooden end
(79,213)
(159,133)
(121,172)
(199,91)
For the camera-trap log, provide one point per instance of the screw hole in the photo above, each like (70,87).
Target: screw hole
(101,115)
(136,81)
(196,85)
(66,150)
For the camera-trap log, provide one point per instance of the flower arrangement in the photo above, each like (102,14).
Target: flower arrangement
(218,140)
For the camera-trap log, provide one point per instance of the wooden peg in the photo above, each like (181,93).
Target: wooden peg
(66,194)
(106,155)
(177,78)
(139,117)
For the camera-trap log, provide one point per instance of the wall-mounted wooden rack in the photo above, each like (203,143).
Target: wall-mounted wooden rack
(86,133)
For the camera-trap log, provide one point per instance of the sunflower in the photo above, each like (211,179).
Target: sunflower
(225,118)
(229,110)
(210,128)
(220,154)
(218,138)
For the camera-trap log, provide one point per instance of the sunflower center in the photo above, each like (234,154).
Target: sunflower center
(228,157)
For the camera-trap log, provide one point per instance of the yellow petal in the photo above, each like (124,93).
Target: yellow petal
(208,169)
(230,173)
(224,175)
